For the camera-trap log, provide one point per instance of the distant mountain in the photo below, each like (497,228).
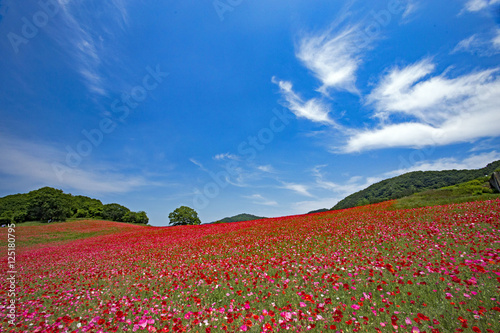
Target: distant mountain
(240,218)
(318,211)
(412,182)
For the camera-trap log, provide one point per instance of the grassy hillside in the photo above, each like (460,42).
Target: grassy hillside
(240,218)
(413,182)
(35,233)
(474,190)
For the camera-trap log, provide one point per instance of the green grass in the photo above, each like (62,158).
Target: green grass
(36,233)
(474,190)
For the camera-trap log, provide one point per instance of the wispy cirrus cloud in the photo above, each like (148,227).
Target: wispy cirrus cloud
(258,199)
(298,188)
(478,5)
(314,109)
(226,156)
(32,165)
(440,110)
(82,39)
(266,168)
(474,161)
(484,45)
(333,58)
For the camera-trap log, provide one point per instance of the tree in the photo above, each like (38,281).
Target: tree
(184,216)
(47,204)
(141,217)
(114,212)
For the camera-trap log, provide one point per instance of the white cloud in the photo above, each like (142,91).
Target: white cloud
(475,161)
(298,188)
(226,156)
(496,40)
(260,200)
(410,9)
(333,58)
(352,185)
(82,40)
(441,110)
(477,5)
(484,45)
(198,164)
(313,109)
(34,165)
(303,207)
(265,168)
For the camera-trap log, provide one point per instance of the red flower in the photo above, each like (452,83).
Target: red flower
(476,329)
(349,322)
(422,316)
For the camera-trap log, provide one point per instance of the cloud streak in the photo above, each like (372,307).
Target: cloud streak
(80,38)
(35,165)
(314,109)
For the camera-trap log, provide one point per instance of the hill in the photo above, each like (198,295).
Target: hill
(318,211)
(412,182)
(239,218)
(50,204)
(474,190)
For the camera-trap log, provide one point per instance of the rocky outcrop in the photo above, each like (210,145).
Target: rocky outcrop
(495,181)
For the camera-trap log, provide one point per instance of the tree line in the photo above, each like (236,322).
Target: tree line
(50,204)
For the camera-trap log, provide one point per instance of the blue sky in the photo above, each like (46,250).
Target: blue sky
(270,108)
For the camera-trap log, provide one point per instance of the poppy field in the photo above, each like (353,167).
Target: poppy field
(365,269)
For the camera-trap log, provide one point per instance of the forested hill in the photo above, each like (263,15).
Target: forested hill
(412,182)
(52,204)
(240,218)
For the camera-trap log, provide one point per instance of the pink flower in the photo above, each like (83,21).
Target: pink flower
(415,329)
(302,304)
(408,321)
(382,324)
(142,323)
(355,306)
(244,328)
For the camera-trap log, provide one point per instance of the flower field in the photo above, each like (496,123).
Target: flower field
(367,269)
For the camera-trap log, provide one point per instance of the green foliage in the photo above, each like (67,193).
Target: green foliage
(412,182)
(474,190)
(114,212)
(318,211)
(133,217)
(184,216)
(48,204)
(240,218)
(52,204)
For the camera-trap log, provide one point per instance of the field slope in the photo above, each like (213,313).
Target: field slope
(370,268)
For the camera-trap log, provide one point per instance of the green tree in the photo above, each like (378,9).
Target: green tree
(141,217)
(184,216)
(114,212)
(48,204)
(6,217)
